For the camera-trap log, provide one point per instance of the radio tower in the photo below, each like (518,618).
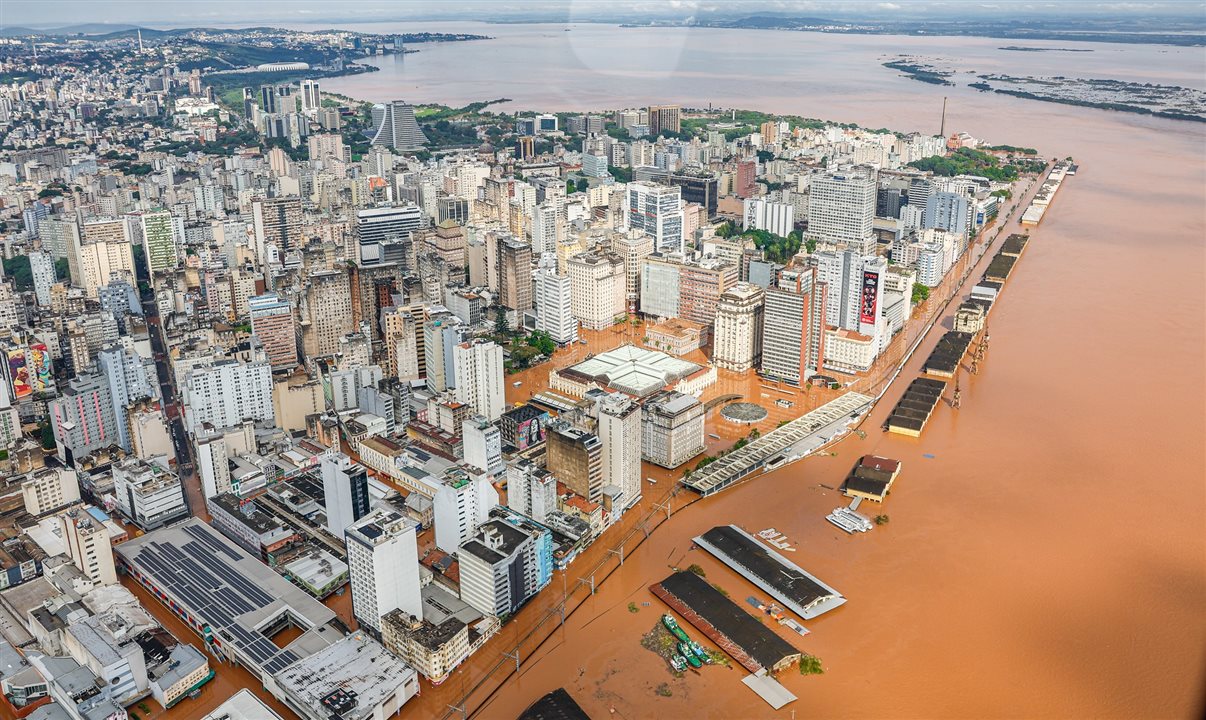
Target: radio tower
(942,127)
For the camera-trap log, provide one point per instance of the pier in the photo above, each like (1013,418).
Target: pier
(786,582)
(784,444)
(914,409)
(754,646)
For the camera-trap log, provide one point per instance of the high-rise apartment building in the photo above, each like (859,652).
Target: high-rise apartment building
(277,223)
(841,208)
(394,126)
(575,456)
(310,96)
(633,247)
(793,327)
(82,418)
(162,234)
(500,568)
(745,182)
(514,274)
(131,378)
(855,289)
(41,267)
(326,312)
(226,392)
(106,250)
(737,334)
(383,567)
(620,438)
(777,218)
(461,503)
(478,367)
(598,286)
(272,322)
(87,544)
(664,117)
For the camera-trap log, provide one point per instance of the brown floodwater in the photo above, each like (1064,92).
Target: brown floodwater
(1046,550)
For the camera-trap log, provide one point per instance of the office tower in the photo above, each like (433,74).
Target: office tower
(272,322)
(250,102)
(88,546)
(482,441)
(525,147)
(500,568)
(106,250)
(325,146)
(227,392)
(394,126)
(664,117)
(633,247)
(310,96)
(447,241)
(194,83)
(441,332)
(546,123)
(576,458)
(210,450)
(793,327)
(855,288)
(841,208)
(620,438)
(402,332)
(461,503)
(278,223)
(82,418)
(746,183)
(131,378)
(34,215)
(699,188)
(148,495)
(598,285)
(478,368)
(514,274)
(209,200)
(952,212)
(345,491)
(326,312)
(384,234)
(773,217)
(553,308)
(657,211)
(268,102)
(161,236)
(531,490)
(672,428)
(737,334)
(41,267)
(383,567)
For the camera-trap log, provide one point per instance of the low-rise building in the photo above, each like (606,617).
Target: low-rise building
(148,495)
(355,678)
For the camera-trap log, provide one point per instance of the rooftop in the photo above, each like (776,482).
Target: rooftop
(633,370)
(347,679)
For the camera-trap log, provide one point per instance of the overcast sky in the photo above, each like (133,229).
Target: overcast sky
(177,13)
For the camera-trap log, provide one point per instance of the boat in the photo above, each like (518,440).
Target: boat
(672,625)
(700,652)
(685,649)
(678,663)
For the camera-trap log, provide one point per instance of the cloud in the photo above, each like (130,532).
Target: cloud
(887,6)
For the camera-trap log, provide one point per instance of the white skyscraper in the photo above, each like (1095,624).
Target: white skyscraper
(620,433)
(41,266)
(383,565)
(345,491)
(482,441)
(227,392)
(552,293)
(773,217)
(598,289)
(657,211)
(461,503)
(855,289)
(478,367)
(310,96)
(841,208)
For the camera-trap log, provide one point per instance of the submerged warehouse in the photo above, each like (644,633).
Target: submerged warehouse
(916,406)
(788,583)
(947,354)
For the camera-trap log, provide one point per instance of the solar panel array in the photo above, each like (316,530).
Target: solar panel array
(198,575)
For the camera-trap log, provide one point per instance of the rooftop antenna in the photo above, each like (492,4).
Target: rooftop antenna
(942,128)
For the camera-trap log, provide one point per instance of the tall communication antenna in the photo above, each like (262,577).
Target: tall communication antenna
(942,127)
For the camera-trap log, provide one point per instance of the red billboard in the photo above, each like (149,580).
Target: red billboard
(869,305)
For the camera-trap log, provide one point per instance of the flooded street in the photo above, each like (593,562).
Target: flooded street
(1048,559)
